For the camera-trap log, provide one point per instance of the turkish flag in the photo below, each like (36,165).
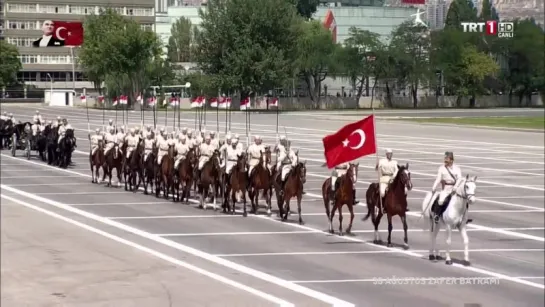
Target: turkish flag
(353,141)
(69,32)
(413,1)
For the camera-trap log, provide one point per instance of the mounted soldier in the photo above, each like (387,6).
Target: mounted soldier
(110,124)
(95,139)
(231,156)
(181,149)
(286,161)
(132,141)
(206,150)
(223,149)
(10,117)
(162,144)
(36,126)
(387,170)
(110,140)
(38,118)
(254,154)
(214,141)
(148,145)
(65,126)
(57,123)
(449,176)
(120,136)
(4,116)
(240,146)
(184,132)
(146,132)
(190,141)
(339,171)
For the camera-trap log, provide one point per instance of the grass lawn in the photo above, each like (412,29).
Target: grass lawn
(525,122)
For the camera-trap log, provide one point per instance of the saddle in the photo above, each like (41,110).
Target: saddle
(439,209)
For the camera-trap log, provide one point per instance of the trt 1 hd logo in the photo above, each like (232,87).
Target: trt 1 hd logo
(490,27)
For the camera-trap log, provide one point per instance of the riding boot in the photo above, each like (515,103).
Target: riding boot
(437,213)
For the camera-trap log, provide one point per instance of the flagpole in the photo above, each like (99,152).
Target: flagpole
(73,69)
(204,108)
(88,125)
(249,118)
(277,111)
(166,113)
(376,155)
(226,110)
(154,115)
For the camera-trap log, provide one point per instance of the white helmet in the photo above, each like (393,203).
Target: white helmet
(49,122)
(184,130)
(236,136)
(149,127)
(97,130)
(234,141)
(182,137)
(58,117)
(282,137)
(111,121)
(37,112)
(162,129)
(111,129)
(212,133)
(388,151)
(207,137)
(132,131)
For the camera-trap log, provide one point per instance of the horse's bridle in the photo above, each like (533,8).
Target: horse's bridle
(466,195)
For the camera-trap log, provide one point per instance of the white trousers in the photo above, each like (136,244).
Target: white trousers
(94,149)
(129,151)
(178,160)
(160,156)
(286,168)
(446,192)
(229,166)
(383,186)
(202,161)
(108,147)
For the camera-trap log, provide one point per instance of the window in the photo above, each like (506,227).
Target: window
(54,59)
(22,8)
(147,27)
(81,10)
(24,25)
(53,9)
(140,11)
(28,59)
(21,41)
(119,10)
(46,76)
(27,76)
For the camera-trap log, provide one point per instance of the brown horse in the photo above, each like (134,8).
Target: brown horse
(237,181)
(209,177)
(395,202)
(165,175)
(113,160)
(132,168)
(341,194)
(261,180)
(96,161)
(185,175)
(293,187)
(148,170)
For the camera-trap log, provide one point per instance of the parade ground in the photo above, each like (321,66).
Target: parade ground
(68,242)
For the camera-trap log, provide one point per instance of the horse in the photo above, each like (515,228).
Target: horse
(66,146)
(395,203)
(52,145)
(261,180)
(209,177)
(236,182)
(454,215)
(41,144)
(293,187)
(341,194)
(6,128)
(185,175)
(165,174)
(132,168)
(113,159)
(149,169)
(96,161)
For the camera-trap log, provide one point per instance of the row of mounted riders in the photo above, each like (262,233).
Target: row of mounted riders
(19,136)
(209,182)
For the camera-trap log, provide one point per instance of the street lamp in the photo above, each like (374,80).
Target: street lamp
(50,88)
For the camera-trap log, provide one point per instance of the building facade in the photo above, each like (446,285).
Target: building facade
(436,11)
(23,22)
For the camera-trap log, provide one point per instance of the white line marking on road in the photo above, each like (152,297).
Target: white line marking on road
(279,281)
(81,193)
(402,279)
(30,177)
(152,252)
(198,253)
(483,250)
(159,217)
(241,233)
(123,204)
(49,184)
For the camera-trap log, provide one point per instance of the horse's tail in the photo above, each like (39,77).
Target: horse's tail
(326,186)
(370,198)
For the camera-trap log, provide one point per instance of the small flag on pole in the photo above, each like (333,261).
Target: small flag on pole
(100,99)
(165,101)
(174,101)
(123,99)
(139,99)
(245,104)
(214,102)
(115,102)
(197,102)
(152,101)
(274,102)
(83,98)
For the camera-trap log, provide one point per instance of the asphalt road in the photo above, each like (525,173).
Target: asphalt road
(303,265)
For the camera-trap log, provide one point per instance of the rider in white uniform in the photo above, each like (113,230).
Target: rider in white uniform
(146,132)
(231,155)
(57,123)
(223,149)
(148,145)
(36,127)
(340,170)
(190,141)
(239,145)
(38,117)
(182,149)
(4,116)
(387,170)
(449,177)
(110,124)
(132,142)
(162,144)
(214,141)
(95,139)
(206,150)
(287,160)
(110,140)
(62,129)
(12,118)
(254,153)
(120,136)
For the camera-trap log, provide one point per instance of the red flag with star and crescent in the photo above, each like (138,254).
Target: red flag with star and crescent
(70,32)
(352,141)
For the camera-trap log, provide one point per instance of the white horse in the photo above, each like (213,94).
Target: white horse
(455,216)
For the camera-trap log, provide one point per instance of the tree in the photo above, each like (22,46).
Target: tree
(460,11)
(307,8)
(475,67)
(316,56)
(119,52)
(359,59)
(525,59)
(411,46)
(10,64)
(248,45)
(180,41)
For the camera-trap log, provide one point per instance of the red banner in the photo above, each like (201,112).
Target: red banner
(413,1)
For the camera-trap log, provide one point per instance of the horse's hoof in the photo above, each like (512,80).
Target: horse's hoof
(438,258)
(245,214)
(301,222)
(378,242)
(390,245)
(331,231)
(405,246)
(341,233)
(466,263)
(448,262)
(431,257)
